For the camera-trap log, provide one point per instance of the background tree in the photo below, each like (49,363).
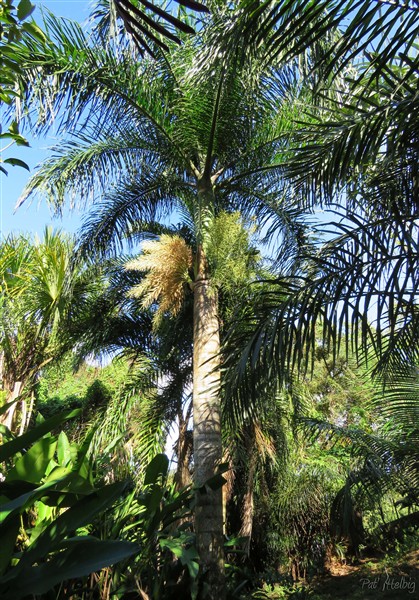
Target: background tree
(41,289)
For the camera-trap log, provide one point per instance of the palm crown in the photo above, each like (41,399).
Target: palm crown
(153,134)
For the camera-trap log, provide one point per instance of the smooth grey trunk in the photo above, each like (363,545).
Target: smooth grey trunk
(182,476)
(207,433)
(8,417)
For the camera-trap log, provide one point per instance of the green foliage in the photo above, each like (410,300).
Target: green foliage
(155,518)
(111,400)
(42,544)
(340,390)
(376,453)
(160,507)
(295,474)
(59,525)
(61,385)
(13,27)
(301,512)
(229,126)
(43,290)
(281,591)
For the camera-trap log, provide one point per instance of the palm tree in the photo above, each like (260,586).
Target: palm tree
(41,290)
(167,136)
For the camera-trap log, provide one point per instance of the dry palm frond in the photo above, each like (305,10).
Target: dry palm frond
(167,262)
(264,444)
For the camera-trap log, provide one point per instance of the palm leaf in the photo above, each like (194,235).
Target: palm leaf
(142,27)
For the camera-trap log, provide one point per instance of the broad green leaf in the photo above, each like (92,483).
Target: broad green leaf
(193,568)
(188,556)
(33,464)
(66,524)
(35,31)
(5,432)
(60,482)
(8,541)
(16,162)
(21,141)
(153,499)
(7,136)
(14,489)
(8,19)
(214,483)
(235,541)
(44,513)
(5,408)
(23,441)
(17,505)
(13,128)
(63,450)
(157,468)
(5,97)
(78,560)
(24,9)
(83,466)
(70,487)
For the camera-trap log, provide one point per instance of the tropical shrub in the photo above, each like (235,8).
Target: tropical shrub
(63,531)
(48,499)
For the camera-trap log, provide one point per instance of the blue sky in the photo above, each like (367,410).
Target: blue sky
(33,216)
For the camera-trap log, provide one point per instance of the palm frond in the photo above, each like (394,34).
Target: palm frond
(356,147)
(115,436)
(289,29)
(387,460)
(361,283)
(133,201)
(109,323)
(71,80)
(142,27)
(86,165)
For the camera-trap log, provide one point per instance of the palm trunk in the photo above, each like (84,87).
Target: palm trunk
(182,476)
(248,507)
(8,418)
(207,433)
